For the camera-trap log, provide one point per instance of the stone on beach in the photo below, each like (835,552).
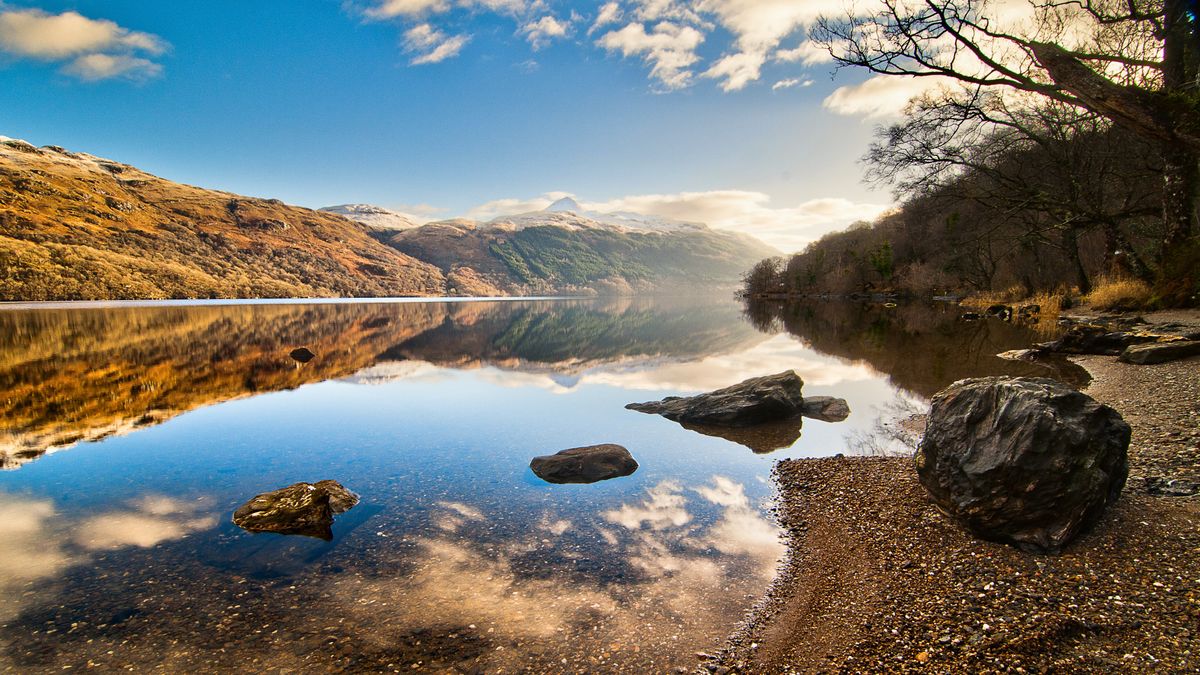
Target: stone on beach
(1160,352)
(588,464)
(759,400)
(1025,461)
(302,508)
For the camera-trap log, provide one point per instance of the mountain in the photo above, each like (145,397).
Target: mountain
(566,249)
(74,226)
(374,218)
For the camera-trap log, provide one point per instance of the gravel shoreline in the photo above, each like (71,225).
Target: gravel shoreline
(877,579)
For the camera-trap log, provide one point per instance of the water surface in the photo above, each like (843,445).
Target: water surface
(132,433)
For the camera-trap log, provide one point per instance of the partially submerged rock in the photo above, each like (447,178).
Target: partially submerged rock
(588,464)
(1026,461)
(825,408)
(303,508)
(1160,352)
(302,354)
(759,400)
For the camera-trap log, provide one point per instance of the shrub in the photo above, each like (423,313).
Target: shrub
(1119,294)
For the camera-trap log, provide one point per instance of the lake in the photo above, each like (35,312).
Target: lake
(131,433)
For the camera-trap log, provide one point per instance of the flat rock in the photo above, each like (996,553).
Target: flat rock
(589,464)
(1025,461)
(826,408)
(1160,352)
(759,400)
(303,508)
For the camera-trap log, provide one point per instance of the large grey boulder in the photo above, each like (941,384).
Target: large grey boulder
(1025,461)
(303,508)
(759,400)
(1160,352)
(588,464)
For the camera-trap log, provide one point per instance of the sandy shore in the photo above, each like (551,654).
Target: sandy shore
(879,580)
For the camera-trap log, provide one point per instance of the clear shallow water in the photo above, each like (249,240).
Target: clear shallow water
(131,434)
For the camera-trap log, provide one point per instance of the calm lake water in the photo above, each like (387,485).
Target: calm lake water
(130,434)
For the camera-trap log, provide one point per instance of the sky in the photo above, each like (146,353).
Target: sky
(717,111)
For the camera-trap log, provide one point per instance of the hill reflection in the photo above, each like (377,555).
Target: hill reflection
(70,375)
(921,348)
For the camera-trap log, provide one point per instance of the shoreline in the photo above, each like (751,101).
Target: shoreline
(877,579)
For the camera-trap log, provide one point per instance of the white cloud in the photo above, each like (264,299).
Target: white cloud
(609,13)
(787,228)
(37,34)
(808,53)
(737,70)
(791,82)
(430,45)
(544,30)
(670,49)
(93,67)
(390,9)
(96,49)
(879,96)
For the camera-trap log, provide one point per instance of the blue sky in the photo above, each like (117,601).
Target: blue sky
(702,109)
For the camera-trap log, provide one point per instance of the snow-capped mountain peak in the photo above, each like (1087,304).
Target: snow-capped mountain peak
(374,217)
(565,204)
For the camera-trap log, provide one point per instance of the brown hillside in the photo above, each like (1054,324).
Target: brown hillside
(74,226)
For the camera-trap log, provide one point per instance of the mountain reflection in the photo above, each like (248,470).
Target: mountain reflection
(922,348)
(83,374)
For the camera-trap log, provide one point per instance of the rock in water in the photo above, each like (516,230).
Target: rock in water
(1025,461)
(756,401)
(585,465)
(826,408)
(303,508)
(302,354)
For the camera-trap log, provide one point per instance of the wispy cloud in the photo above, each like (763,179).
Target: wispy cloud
(430,45)
(791,82)
(90,49)
(541,32)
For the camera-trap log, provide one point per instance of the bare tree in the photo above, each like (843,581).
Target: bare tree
(1133,62)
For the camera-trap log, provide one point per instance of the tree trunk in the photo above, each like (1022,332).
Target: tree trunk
(1071,248)
(1181,185)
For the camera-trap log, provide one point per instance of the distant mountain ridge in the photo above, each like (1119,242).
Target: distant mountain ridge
(74,226)
(565,248)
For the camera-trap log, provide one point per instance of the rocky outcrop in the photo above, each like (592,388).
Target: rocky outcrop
(588,464)
(759,400)
(1160,352)
(825,408)
(302,508)
(1025,461)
